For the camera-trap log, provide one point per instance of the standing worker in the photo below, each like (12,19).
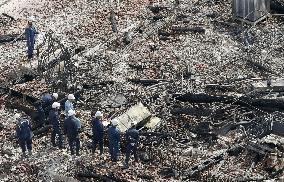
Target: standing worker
(98,132)
(114,139)
(54,120)
(69,103)
(24,134)
(30,33)
(47,101)
(72,126)
(132,138)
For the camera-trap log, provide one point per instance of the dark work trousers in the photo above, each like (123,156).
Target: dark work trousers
(129,150)
(25,144)
(74,142)
(98,140)
(41,120)
(56,131)
(113,150)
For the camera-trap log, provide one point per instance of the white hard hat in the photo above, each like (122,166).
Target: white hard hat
(55,95)
(31,19)
(55,105)
(17,116)
(99,114)
(71,97)
(114,122)
(71,112)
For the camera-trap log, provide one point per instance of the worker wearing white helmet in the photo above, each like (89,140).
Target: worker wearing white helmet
(132,138)
(114,140)
(17,116)
(54,120)
(114,122)
(69,103)
(98,132)
(72,127)
(31,19)
(30,33)
(24,134)
(55,105)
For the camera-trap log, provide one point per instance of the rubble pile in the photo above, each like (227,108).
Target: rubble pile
(193,79)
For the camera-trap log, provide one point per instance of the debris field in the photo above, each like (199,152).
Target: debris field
(192,78)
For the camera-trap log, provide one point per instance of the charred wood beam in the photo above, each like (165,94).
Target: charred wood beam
(146,177)
(261,149)
(219,87)
(277,6)
(204,98)
(183,30)
(105,178)
(157,9)
(18,106)
(42,131)
(264,104)
(194,171)
(11,37)
(158,17)
(192,111)
(8,16)
(271,89)
(148,82)
(92,175)
(20,95)
(165,34)
(164,38)
(203,165)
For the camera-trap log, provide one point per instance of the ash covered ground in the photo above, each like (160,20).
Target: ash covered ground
(201,73)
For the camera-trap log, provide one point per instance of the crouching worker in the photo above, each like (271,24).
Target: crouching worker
(72,127)
(24,134)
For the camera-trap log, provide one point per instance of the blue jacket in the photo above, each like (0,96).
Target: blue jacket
(68,106)
(23,130)
(113,134)
(72,126)
(132,135)
(97,128)
(54,118)
(47,100)
(30,35)
(40,111)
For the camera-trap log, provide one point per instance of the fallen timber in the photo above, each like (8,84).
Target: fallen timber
(11,38)
(264,104)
